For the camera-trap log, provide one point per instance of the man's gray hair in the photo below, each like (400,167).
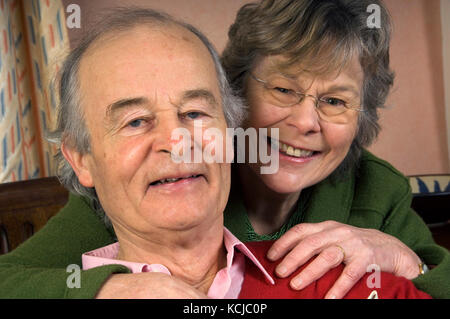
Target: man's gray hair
(71,128)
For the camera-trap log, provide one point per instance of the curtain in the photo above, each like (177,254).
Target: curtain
(33,42)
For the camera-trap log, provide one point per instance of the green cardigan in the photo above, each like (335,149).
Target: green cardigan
(375,196)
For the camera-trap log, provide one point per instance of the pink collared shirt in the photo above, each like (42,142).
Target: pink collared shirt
(226,284)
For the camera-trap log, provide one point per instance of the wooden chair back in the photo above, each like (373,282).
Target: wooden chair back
(25,207)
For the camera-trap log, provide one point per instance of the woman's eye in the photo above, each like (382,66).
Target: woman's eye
(333,101)
(282,90)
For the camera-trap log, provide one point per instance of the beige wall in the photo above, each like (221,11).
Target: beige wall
(445,26)
(414,135)
(212,17)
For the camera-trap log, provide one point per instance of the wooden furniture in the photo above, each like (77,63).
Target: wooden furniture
(25,207)
(432,202)
(434,208)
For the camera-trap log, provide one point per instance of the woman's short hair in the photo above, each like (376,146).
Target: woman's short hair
(321,37)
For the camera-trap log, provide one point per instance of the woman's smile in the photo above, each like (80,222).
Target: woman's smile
(288,152)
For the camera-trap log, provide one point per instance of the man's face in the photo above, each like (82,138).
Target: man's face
(137,87)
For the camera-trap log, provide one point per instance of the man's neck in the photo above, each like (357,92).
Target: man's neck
(194,256)
(266,209)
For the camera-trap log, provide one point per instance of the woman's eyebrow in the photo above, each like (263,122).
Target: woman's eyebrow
(344,88)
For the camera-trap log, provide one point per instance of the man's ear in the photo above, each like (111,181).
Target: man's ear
(79,163)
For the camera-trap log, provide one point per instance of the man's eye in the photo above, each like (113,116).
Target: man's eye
(136,123)
(193,115)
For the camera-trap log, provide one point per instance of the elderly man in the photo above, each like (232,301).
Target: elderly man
(139,76)
(151,79)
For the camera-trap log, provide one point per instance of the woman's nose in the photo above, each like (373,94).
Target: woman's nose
(304,116)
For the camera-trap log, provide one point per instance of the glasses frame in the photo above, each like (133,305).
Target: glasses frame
(302,96)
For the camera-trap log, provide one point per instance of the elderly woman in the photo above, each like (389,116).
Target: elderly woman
(317,73)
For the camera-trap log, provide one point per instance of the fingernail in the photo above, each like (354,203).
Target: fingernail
(281,270)
(296,283)
(331,297)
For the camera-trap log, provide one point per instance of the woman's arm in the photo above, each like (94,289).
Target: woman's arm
(385,231)
(40,267)
(48,265)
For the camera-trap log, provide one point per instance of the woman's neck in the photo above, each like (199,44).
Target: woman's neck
(179,253)
(267,210)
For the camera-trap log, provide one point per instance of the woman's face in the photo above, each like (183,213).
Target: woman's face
(310,147)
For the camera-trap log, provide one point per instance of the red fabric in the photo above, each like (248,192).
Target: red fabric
(255,286)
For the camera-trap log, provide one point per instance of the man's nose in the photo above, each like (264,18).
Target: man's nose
(164,133)
(304,116)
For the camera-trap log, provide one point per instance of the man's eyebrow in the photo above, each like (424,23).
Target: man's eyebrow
(199,94)
(124,103)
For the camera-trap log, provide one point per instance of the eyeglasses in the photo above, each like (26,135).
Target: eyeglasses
(329,108)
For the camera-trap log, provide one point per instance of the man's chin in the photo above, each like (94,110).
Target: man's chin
(176,218)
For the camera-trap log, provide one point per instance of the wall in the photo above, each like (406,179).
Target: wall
(445,22)
(212,17)
(414,135)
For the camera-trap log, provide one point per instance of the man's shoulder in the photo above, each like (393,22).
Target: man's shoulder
(79,209)
(281,289)
(374,284)
(259,248)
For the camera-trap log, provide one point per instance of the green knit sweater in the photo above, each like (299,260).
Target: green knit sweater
(375,196)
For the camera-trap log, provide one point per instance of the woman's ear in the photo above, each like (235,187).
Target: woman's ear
(79,163)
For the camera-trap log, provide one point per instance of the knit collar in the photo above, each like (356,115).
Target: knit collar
(327,200)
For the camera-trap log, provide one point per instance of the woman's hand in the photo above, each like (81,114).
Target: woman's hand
(148,285)
(335,243)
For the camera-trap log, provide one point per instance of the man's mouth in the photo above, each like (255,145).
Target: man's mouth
(173,180)
(292,151)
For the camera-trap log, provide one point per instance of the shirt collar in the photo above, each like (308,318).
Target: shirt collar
(232,242)
(107,256)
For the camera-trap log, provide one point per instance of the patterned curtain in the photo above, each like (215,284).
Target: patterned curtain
(33,41)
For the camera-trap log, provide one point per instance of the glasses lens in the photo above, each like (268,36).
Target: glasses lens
(331,109)
(333,114)
(283,97)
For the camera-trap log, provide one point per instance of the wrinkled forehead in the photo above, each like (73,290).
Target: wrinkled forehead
(160,35)
(131,61)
